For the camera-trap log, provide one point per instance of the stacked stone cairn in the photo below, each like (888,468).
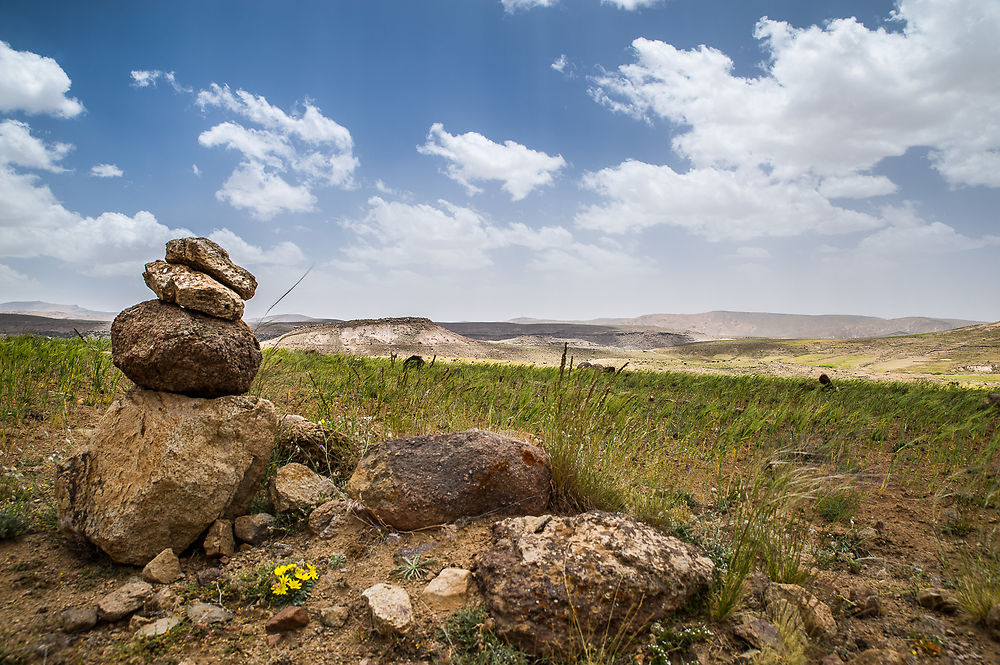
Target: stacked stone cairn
(185,447)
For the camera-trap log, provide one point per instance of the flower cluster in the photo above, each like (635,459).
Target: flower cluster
(292,576)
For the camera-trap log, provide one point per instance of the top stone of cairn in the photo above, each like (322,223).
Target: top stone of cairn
(204,255)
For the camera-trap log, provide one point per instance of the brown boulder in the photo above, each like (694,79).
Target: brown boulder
(160,468)
(165,347)
(297,487)
(204,255)
(287,619)
(191,289)
(550,581)
(421,481)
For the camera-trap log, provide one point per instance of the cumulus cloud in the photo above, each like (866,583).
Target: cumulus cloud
(264,194)
(19,148)
(106,171)
(443,236)
(907,233)
(474,158)
(282,159)
(833,101)
(511,6)
(560,63)
(631,5)
(34,84)
(711,202)
(13,281)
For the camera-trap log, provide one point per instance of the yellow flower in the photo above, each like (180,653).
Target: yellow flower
(279,589)
(312,574)
(294,584)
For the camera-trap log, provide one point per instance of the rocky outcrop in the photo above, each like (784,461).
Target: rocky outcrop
(296,487)
(550,581)
(160,468)
(208,257)
(191,289)
(421,481)
(165,347)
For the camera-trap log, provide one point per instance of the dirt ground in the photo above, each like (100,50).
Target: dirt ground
(898,542)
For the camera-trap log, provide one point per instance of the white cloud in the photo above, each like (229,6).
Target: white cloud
(511,6)
(20,148)
(833,101)
(475,158)
(251,187)
(12,281)
(589,261)
(106,171)
(195,169)
(34,84)
(907,233)
(560,63)
(714,203)
(631,5)
(285,253)
(444,236)
(283,159)
(143,78)
(856,186)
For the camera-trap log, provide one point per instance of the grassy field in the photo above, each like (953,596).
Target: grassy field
(768,454)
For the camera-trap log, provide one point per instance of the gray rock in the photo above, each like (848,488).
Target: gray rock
(389,608)
(410,551)
(424,481)
(760,633)
(550,581)
(327,518)
(76,620)
(334,617)
(253,529)
(123,601)
(208,257)
(297,487)
(209,576)
(159,627)
(164,568)
(160,469)
(207,613)
(165,347)
(191,289)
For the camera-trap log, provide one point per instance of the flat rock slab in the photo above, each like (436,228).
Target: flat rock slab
(208,257)
(165,347)
(192,289)
(160,468)
(548,581)
(123,601)
(423,481)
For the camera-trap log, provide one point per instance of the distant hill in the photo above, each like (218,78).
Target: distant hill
(573,333)
(404,336)
(728,325)
(54,311)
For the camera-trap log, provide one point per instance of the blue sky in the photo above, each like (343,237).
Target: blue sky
(487,159)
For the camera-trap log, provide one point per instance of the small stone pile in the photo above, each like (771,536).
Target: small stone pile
(185,447)
(191,339)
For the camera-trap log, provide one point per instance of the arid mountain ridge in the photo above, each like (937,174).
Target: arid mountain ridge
(646,331)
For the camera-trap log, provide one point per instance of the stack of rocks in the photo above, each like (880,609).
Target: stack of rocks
(184,448)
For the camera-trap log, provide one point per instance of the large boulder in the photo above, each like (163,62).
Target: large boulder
(551,582)
(297,487)
(208,257)
(160,468)
(165,347)
(192,289)
(421,481)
